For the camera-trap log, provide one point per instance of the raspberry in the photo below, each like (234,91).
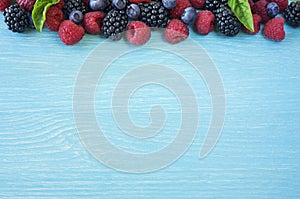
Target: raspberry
(256,22)
(274,29)
(204,22)
(54,17)
(176,31)
(70,33)
(138,33)
(86,2)
(198,4)
(93,21)
(260,8)
(139,1)
(4,4)
(60,4)
(27,4)
(283,4)
(179,8)
(251,3)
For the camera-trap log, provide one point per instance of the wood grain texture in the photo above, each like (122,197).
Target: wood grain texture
(257,155)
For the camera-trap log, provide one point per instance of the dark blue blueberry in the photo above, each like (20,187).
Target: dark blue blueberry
(76,16)
(272,9)
(119,4)
(169,4)
(30,22)
(98,4)
(133,11)
(189,15)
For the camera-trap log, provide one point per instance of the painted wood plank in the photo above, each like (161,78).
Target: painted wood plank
(257,155)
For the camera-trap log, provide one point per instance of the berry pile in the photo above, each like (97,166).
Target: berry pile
(135,19)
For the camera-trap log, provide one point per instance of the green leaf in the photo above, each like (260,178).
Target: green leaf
(242,11)
(39,12)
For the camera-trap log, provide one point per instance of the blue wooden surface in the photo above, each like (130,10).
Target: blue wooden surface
(257,155)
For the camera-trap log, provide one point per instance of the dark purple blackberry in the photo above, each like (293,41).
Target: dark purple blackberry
(154,14)
(213,5)
(72,5)
(292,14)
(114,24)
(109,7)
(226,22)
(16,18)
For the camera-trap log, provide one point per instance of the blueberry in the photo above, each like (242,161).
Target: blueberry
(133,11)
(98,4)
(30,21)
(189,15)
(76,16)
(169,4)
(272,9)
(119,4)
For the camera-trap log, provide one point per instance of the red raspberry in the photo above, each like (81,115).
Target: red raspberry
(251,3)
(139,1)
(54,17)
(86,2)
(93,21)
(256,22)
(4,4)
(27,4)
(60,4)
(198,4)
(204,22)
(260,9)
(138,33)
(274,29)
(70,33)
(282,4)
(179,8)
(176,31)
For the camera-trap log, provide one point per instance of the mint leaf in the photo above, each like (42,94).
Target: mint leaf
(39,12)
(242,11)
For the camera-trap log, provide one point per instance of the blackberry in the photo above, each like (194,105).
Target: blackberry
(227,23)
(16,18)
(154,14)
(213,5)
(292,14)
(72,5)
(114,24)
(109,7)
